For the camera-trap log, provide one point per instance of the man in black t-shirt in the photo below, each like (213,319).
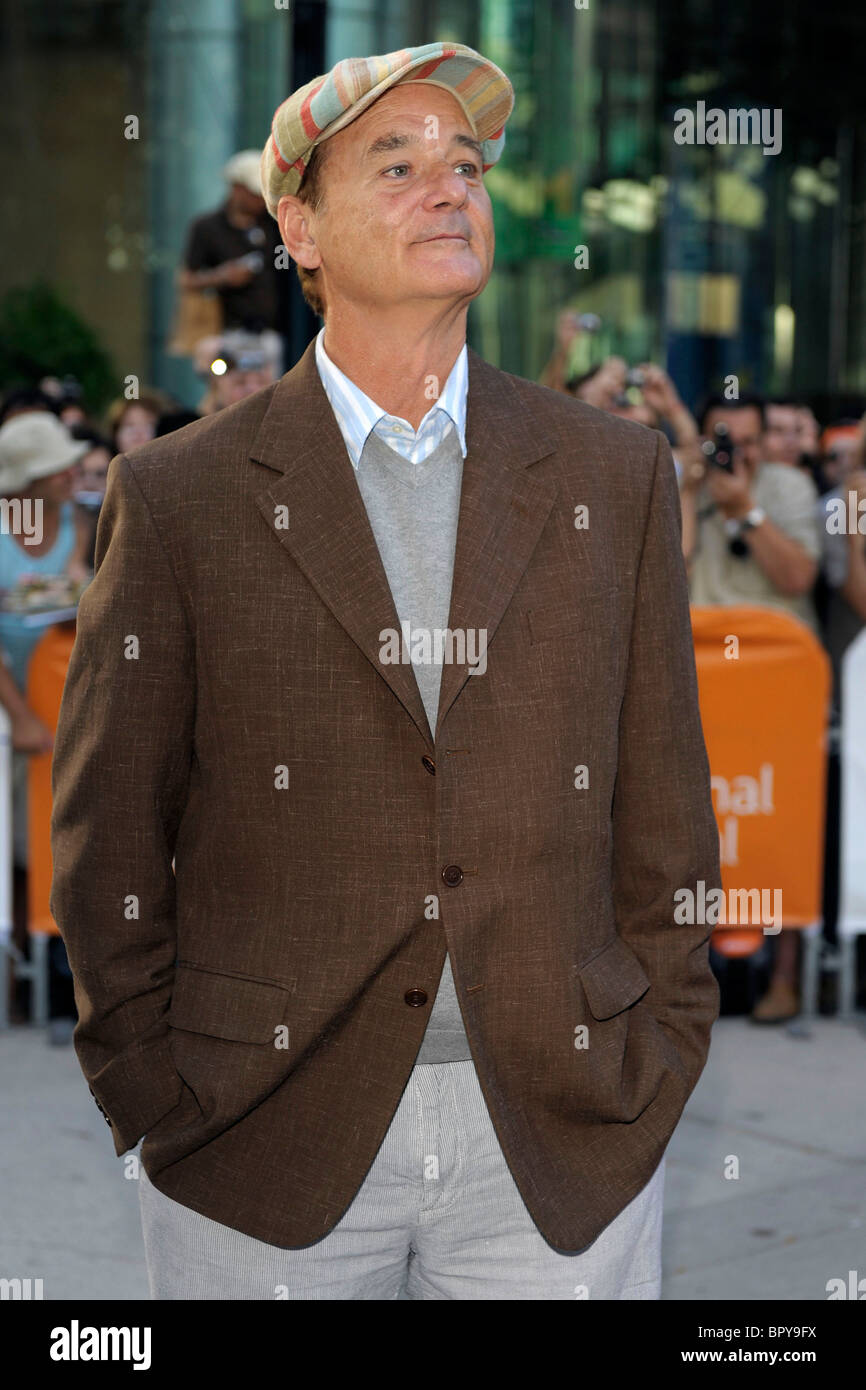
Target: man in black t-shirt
(233,250)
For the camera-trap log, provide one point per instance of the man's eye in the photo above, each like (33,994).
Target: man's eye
(469,164)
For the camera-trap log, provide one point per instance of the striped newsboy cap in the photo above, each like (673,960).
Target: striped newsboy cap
(318,110)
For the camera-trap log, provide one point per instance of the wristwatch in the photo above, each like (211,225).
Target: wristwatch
(752,519)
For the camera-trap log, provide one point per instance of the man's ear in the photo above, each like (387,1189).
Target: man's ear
(294,219)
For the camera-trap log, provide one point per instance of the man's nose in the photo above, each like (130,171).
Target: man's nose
(444,185)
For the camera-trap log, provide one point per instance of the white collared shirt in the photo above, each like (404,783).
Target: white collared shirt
(357,414)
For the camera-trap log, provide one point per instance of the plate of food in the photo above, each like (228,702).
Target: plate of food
(42,599)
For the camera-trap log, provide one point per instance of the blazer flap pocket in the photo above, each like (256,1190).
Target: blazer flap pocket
(226,1006)
(590,608)
(613,979)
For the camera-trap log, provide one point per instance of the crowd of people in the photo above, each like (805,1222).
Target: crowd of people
(54,459)
(759,481)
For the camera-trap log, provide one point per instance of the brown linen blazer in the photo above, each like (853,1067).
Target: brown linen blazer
(260,855)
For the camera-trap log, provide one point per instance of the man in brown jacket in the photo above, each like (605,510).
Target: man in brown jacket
(378,769)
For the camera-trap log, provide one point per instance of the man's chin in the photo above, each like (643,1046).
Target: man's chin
(443,282)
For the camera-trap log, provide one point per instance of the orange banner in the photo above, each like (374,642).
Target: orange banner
(45,679)
(764,684)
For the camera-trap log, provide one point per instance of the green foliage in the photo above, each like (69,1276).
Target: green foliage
(41,336)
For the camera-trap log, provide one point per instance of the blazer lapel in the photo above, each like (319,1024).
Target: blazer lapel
(503,509)
(316,511)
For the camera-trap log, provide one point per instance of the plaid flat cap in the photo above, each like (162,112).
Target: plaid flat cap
(318,110)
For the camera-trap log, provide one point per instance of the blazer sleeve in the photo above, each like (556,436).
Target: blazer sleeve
(120,771)
(664,831)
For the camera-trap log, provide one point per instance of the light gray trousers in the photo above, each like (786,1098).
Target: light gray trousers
(437,1216)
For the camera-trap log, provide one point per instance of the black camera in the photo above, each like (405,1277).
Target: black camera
(719,451)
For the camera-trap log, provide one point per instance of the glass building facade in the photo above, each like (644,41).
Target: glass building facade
(711,258)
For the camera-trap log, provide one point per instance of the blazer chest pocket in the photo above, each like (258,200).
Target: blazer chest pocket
(592,608)
(235,1007)
(613,980)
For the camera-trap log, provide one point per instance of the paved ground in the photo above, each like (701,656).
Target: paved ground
(789,1109)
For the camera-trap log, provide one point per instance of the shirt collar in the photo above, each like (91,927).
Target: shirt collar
(357,414)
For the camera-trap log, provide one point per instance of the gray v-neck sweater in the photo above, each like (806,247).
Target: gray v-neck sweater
(413,510)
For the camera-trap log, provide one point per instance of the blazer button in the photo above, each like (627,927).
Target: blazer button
(429,764)
(415,998)
(452,875)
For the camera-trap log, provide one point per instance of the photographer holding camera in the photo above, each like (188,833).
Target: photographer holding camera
(232,251)
(234,365)
(750,531)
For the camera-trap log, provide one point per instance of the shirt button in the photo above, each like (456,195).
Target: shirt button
(415,998)
(429,764)
(452,875)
